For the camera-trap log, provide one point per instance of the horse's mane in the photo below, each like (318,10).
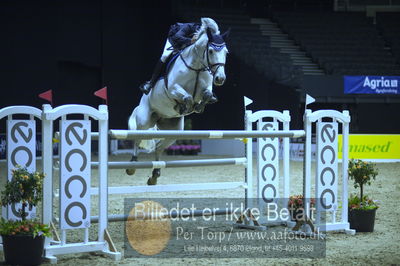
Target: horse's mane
(207,23)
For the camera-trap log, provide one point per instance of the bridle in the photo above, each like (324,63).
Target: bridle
(209,67)
(216,47)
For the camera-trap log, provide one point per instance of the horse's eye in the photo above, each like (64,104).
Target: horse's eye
(211,51)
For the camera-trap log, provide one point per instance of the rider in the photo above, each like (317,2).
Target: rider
(180,36)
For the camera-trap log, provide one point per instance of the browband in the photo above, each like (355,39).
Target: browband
(217,46)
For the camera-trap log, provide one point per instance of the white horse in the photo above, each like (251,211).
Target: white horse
(187,88)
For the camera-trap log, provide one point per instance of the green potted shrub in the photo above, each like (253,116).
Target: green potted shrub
(362,209)
(23,240)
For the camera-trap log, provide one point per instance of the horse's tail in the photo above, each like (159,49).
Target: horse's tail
(147,145)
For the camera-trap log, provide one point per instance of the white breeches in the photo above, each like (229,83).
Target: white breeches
(167,51)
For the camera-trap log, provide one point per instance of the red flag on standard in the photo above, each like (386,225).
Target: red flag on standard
(47,95)
(102,93)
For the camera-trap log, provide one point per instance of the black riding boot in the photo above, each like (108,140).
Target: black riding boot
(148,85)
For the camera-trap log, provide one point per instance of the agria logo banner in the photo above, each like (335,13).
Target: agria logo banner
(372,84)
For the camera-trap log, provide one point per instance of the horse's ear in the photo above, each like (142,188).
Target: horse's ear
(209,34)
(225,35)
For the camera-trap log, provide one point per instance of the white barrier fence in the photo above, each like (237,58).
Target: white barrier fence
(75,164)
(327,173)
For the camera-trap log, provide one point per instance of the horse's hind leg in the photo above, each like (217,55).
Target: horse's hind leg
(134,158)
(156,173)
(141,118)
(164,124)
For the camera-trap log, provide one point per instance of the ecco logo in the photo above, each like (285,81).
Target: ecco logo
(327,164)
(20,139)
(269,164)
(75,173)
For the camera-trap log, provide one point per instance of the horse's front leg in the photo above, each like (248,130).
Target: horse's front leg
(207,98)
(185,100)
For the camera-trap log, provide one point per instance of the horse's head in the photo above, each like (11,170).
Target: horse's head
(211,44)
(216,52)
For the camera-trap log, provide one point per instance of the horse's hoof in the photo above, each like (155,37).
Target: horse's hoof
(188,100)
(199,108)
(156,173)
(187,104)
(152,181)
(212,100)
(130,171)
(182,109)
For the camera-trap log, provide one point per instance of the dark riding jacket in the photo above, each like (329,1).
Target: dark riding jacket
(181,34)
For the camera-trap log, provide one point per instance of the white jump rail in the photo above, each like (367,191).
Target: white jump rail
(201,134)
(122,134)
(172,188)
(173,164)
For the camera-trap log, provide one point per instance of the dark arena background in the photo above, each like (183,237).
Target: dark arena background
(279,50)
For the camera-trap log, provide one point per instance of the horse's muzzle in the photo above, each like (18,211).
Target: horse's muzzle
(219,81)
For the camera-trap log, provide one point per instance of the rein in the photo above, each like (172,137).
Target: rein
(208,68)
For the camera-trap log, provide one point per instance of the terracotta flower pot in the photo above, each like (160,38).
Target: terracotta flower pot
(23,249)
